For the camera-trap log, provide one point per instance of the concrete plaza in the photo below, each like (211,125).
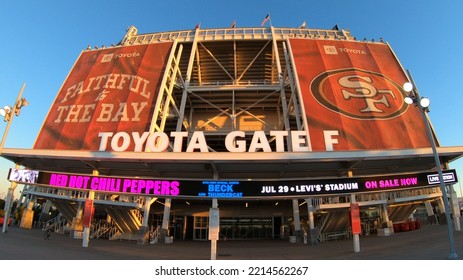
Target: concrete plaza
(430,242)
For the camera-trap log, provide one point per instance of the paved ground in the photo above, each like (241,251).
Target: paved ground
(430,242)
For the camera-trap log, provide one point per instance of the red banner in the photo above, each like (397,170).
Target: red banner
(355,218)
(89,212)
(353,98)
(107,90)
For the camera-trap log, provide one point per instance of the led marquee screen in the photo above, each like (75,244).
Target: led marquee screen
(234,189)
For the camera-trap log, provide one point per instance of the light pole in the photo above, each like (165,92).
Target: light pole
(8,113)
(423,104)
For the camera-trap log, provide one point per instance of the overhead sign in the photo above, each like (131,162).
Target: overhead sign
(23,176)
(434,178)
(235,141)
(230,189)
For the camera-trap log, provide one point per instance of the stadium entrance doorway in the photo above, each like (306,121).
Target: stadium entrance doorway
(239,220)
(231,228)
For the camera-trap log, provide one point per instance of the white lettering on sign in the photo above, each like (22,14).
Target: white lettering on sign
(135,84)
(98,88)
(354,51)
(235,141)
(153,142)
(109,112)
(434,179)
(329,138)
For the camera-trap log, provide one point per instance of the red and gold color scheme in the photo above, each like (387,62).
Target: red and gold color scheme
(107,90)
(355,90)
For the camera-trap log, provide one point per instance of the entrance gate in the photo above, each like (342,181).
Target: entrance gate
(236,228)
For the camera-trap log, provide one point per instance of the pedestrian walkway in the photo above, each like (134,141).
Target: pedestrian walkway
(431,242)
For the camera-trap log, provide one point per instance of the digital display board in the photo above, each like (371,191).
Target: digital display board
(231,189)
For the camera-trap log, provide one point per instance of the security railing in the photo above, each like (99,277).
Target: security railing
(234,34)
(388,196)
(58,224)
(103,229)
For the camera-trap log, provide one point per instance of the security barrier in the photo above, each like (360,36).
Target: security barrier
(406,226)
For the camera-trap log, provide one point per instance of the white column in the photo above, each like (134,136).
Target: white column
(213,241)
(310,210)
(441,208)
(312,237)
(146,211)
(165,220)
(297,220)
(144,232)
(77,222)
(385,215)
(86,232)
(455,208)
(430,212)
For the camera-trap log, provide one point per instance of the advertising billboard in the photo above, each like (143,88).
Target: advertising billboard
(353,98)
(237,189)
(112,89)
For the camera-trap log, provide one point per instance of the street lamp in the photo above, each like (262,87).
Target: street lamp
(423,104)
(8,113)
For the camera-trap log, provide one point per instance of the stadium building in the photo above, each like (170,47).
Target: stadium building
(233,133)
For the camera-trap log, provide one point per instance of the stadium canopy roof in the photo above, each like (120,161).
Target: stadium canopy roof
(239,166)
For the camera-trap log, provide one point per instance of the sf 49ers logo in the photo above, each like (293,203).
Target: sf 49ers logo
(359,94)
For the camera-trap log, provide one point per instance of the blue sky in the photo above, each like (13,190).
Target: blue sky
(42,40)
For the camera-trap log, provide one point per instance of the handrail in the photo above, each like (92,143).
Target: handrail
(57,223)
(103,228)
(154,234)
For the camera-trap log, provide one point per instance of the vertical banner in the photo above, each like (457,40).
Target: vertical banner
(355,218)
(353,97)
(107,90)
(89,211)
